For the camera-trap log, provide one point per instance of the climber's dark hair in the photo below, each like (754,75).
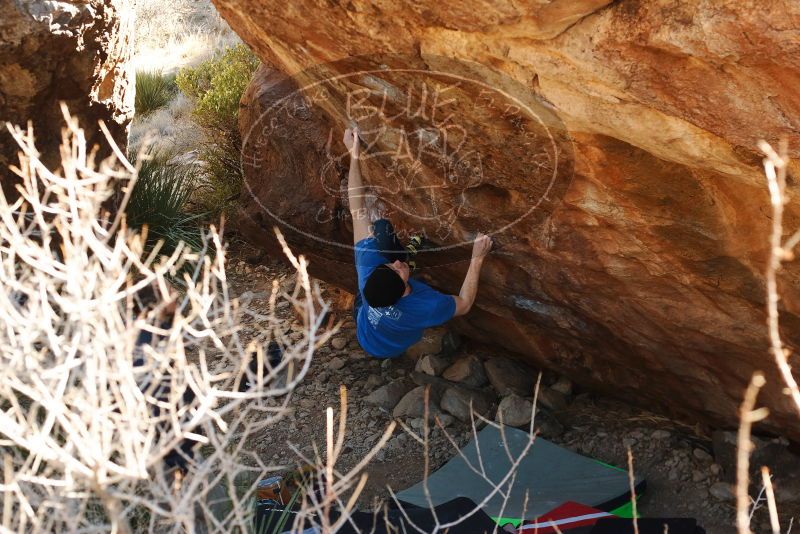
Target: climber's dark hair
(384,287)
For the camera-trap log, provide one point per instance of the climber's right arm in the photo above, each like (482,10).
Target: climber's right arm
(469,289)
(355,187)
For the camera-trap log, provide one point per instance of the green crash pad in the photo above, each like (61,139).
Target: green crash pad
(551,475)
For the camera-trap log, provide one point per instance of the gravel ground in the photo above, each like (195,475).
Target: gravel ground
(683,477)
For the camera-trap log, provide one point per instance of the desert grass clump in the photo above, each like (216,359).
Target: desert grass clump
(154,90)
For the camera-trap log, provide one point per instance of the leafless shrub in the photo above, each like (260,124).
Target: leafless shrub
(748,415)
(775,168)
(775,165)
(94,421)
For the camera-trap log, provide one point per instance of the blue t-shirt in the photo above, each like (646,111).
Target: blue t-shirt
(388,331)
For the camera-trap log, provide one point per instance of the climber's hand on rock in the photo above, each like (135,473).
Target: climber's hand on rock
(351,142)
(481,246)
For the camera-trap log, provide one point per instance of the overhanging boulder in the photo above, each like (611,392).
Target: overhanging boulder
(640,272)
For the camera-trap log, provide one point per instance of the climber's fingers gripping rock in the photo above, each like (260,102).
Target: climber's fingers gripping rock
(481,245)
(351,142)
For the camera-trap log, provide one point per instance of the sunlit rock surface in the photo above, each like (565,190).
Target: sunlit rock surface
(624,192)
(74,51)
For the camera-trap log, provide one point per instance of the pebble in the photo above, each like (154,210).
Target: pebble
(715,469)
(456,401)
(446,420)
(336,363)
(698,476)
(563,385)
(467,370)
(389,395)
(702,455)
(372,382)
(432,364)
(548,425)
(413,404)
(552,400)
(722,491)
(338,343)
(660,434)
(514,411)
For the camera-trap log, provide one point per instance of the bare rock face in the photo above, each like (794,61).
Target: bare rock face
(74,51)
(609,148)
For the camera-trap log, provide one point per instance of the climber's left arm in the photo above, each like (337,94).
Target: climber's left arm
(355,187)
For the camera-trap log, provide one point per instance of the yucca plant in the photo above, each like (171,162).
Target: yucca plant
(154,90)
(159,200)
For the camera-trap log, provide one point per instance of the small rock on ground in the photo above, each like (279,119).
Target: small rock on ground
(722,491)
(389,395)
(413,403)
(432,364)
(456,401)
(467,370)
(552,399)
(563,385)
(703,456)
(515,411)
(508,376)
(372,382)
(660,434)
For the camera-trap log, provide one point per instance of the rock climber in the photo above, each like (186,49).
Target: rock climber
(392,309)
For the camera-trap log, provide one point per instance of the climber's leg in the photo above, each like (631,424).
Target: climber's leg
(388,244)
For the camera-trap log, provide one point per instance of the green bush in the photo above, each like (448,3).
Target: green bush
(154,90)
(216,86)
(159,201)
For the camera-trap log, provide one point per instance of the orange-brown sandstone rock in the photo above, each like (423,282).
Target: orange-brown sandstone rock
(630,127)
(74,51)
